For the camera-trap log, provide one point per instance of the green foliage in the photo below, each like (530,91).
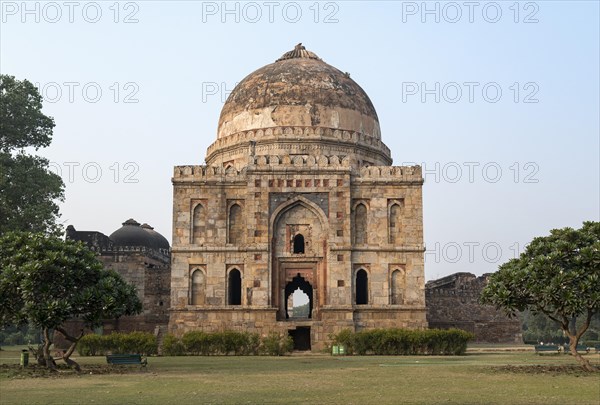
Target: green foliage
(22,123)
(19,335)
(134,342)
(92,345)
(118,343)
(275,344)
(46,281)
(301,311)
(199,343)
(557,275)
(225,343)
(172,346)
(28,189)
(537,327)
(404,341)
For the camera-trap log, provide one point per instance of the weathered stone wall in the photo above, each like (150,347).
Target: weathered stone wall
(453,302)
(281,197)
(151,277)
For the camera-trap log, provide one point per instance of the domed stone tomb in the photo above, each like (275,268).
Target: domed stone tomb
(301,104)
(297,223)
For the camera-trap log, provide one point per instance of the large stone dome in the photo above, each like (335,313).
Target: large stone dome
(299,89)
(303,102)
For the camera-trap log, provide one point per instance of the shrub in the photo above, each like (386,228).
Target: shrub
(275,344)
(118,343)
(223,343)
(198,342)
(92,345)
(345,338)
(172,346)
(404,342)
(241,343)
(135,342)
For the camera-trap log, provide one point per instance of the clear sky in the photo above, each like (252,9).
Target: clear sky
(499,101)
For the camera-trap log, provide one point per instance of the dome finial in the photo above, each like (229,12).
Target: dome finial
(299,52)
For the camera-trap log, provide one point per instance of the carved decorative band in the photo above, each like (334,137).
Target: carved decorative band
(307,132)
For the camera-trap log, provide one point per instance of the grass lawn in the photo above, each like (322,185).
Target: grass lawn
(478,378)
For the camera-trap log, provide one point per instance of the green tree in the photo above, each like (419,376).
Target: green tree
(28,189)
(47,281)
(557,275)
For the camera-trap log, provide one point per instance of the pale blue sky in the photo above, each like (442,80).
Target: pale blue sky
(177,49)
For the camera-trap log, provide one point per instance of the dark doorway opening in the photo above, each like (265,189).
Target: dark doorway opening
(299,243)
(234,295)
(299,282)
(362,288)
(301,337)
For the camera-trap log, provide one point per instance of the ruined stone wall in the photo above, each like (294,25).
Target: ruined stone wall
(151,277)
(453,302)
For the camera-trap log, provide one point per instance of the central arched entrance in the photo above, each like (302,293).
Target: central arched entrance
(299,232)
(298,282)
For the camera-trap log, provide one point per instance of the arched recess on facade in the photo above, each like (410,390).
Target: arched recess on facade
(198,224)
(235,224)
(360,221)
(361,293)
(294,202)
(395,221)
(234,287)
(397,287)
(285,254)
(197,287)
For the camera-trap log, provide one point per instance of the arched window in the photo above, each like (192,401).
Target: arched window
(197,296)
(234,283)
(299,243)
(362,287)
(360,224)
(236,226)
(394,223)
(199,221)
(396,287)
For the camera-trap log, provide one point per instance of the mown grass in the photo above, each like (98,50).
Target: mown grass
(477,378)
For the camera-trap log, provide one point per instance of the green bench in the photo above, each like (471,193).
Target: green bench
(122,359)
(580,348)
(546,349)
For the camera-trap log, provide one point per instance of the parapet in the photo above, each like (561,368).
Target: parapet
(390,173)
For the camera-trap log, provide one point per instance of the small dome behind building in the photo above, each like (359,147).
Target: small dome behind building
(159,241)
(133,234)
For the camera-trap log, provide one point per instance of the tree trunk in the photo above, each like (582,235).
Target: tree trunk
(46,351)
(66,355)
(585,364)
(574,336)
